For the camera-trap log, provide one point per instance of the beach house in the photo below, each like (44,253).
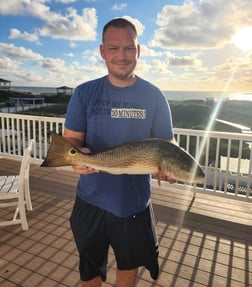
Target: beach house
(5,84)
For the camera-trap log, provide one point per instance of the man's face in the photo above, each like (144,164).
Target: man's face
(120,52)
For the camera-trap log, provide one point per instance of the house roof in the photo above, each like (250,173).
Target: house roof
(64,87)
(4,81)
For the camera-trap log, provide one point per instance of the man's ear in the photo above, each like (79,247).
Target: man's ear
(102,51)
(138,51)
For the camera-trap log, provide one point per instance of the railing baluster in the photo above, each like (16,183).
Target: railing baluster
(18,137)
(217,165)
(249,177)
(8,135)
(238,172)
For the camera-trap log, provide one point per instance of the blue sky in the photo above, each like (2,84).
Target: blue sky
(185,45)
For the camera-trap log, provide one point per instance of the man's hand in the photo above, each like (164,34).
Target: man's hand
(167,178)
(161,176)
(82,169)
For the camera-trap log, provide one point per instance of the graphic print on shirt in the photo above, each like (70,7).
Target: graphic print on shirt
(119,109)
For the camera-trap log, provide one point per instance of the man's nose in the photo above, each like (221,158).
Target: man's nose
(122,53)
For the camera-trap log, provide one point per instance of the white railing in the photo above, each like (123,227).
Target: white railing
(225,157)
(17,130)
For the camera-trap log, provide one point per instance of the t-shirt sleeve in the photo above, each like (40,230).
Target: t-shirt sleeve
(162,123)
(76,112)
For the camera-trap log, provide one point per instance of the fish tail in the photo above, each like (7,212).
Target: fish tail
(58,152)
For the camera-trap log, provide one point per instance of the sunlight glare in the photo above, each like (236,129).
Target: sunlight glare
(243,38)
(241,97)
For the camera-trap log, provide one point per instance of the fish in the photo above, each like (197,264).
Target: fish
(149,156)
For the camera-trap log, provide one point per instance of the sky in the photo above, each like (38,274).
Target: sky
(203,45)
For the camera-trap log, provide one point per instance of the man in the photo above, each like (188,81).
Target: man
(113,210)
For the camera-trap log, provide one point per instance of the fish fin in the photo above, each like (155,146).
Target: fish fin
(57,154)
(159,177)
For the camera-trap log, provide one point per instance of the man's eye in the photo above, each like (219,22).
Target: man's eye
(113,48)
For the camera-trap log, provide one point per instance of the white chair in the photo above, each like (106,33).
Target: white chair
(15,190)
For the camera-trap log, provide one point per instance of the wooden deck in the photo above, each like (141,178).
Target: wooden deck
(205,242)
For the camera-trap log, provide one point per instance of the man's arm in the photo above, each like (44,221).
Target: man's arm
(76,138)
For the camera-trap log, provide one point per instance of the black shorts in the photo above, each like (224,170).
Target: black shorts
(133,240)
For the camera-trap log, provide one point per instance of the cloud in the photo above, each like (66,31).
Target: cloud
(139,26)
(184,61)
(119,7)
(58,66)
(8,64)
(234,73)
(12,69)
(72,27)
(73,45)
(14,7)
(11,50)
(235,64)
(92,56)
(69,55)
(35,8)
(159,67)
(204,24)
(65,1)
(145,51)
(143,67)
(52,64)
(30,37)
(30,77)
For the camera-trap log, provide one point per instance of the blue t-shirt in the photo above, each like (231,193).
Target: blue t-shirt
(110,116)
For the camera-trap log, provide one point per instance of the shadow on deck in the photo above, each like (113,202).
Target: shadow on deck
(203,242)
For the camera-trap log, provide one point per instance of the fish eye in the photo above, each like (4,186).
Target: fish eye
(73,151)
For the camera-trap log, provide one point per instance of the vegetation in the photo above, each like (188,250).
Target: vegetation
(237,112)
(190,114)
(196,114)
(57,109)
(60,99)
(50,111)
(4,96)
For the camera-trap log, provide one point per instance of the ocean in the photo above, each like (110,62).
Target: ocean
(171,95)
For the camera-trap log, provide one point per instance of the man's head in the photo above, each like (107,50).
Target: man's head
(120,50)
(118,23)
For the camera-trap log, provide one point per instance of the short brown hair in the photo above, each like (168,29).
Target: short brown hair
(118,23)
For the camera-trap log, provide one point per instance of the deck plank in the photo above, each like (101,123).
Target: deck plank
(205,241)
